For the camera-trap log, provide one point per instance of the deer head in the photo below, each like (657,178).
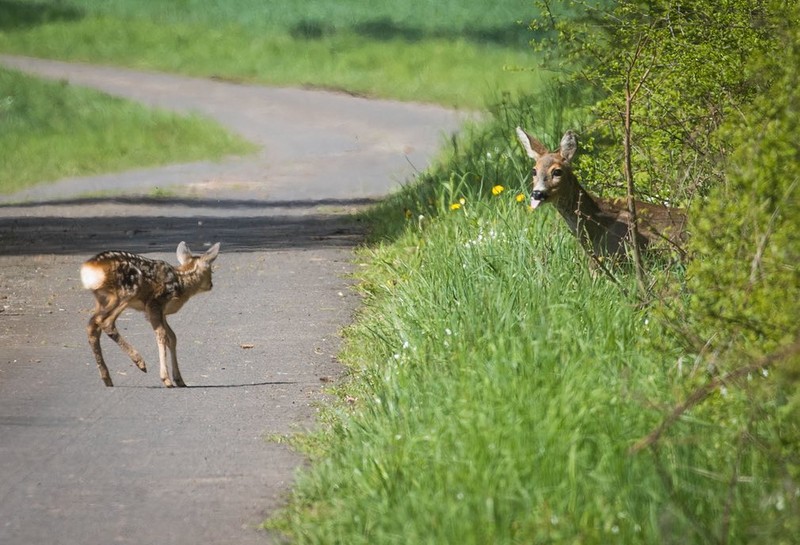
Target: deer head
(552,175)
(199,264)
(602,225)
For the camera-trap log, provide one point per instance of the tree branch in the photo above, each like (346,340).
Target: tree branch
(701,393)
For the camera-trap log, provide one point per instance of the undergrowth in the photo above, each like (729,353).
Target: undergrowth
(496,387)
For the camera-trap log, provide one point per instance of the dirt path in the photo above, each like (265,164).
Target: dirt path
(84,464)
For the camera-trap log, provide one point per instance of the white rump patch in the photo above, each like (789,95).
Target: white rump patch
(92,276)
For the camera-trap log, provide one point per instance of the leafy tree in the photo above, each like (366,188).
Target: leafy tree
(744,278)
(664,75)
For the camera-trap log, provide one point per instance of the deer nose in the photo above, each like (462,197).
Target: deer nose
(539,195)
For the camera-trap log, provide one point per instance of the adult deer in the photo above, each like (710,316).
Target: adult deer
(123,280)
(601,225)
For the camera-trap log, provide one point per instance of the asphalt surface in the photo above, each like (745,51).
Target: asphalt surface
(138,463)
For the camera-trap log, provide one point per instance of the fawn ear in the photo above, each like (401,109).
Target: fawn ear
(532,147)
(569,145)
(211,253)
(184,254)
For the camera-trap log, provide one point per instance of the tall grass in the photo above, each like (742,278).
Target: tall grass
(454,53)
(54,130)
(496,386)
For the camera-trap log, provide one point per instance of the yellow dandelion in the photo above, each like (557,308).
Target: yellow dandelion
(496,190)
(455,206)
(520,197)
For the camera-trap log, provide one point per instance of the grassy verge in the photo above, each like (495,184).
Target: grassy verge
(53,130)
(450,53)
(496,386)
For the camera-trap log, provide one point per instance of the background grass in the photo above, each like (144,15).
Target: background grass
(454,53)
(54,130)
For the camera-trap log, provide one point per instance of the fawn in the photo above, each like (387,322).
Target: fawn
(602,226)
(123,280)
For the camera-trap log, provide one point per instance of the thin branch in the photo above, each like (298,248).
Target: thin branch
(701,393)
(549,11)
(755,265)
(726,514)
(586,244)
(628,168)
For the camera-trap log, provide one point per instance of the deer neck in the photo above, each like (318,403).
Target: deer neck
(188,278)
(595,226)
(580,210)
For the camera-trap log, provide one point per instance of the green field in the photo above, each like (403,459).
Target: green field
(54,130)
(453,53)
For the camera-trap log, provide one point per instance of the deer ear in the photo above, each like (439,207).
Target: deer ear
(532,147)
(569,145)
(184,254)
(211,253)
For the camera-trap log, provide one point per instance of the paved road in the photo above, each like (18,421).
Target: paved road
(84,464)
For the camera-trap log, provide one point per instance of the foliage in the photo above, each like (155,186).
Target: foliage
(752,220)
(744,280)
(712,90)
(54,130)
(684,59)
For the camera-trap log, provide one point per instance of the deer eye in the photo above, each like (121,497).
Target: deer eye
(557,172)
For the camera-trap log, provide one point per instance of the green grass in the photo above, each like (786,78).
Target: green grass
(453,53)
(495,387)
(54,130)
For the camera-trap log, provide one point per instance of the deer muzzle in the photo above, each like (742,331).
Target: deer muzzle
(537,197)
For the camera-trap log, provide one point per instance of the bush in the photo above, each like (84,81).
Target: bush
(673,69)
(743,282)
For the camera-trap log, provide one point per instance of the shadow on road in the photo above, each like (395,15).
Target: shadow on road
(213,386)
(222,204)
(158,226)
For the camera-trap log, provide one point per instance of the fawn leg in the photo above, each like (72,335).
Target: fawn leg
(93,331)
(172,343)
(157,320)
(109,325)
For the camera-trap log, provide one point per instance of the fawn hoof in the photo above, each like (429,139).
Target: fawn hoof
(107,381)
(179,383)
(167,382)
(141,365)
